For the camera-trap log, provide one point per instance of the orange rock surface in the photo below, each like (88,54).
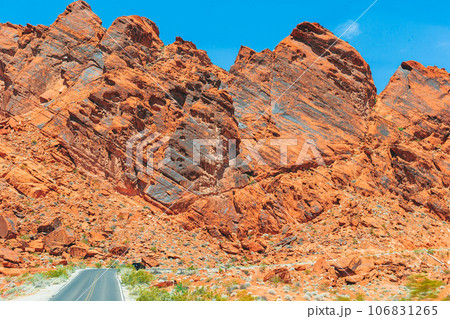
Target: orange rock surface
(364,174)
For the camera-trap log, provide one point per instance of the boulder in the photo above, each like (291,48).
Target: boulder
(370,222)
(36,245)
(10,255)
(150,261)
(301,267)
(286,241)
(5,150)
(230,248)
(8,264)
(7,228)
(165,284)
(26,183)
(78,252)
(13,272)
(97,236)
(282,274)
(355,267)
(321,266)
(61,237)
(252,246)
(50,226)
(56,250)
(119,250)
(92,253)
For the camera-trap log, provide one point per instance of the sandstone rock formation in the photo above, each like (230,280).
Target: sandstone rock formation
(76,99)
(279,274)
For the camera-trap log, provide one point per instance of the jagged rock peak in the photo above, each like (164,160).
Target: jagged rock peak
(130,30)
(79,5)
(81,10)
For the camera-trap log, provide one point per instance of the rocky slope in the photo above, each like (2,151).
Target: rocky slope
(363,172)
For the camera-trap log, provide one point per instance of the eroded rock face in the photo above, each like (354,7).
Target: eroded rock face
(50,60)
(75,98)
(312,86)
(302,95)
(94,89)
(97,93)
(412,121)
(417,100)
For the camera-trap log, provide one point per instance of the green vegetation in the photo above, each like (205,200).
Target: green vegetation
(28,283)
(275,280)
(59,272)
(342,298)
(140,277)
(360,297)
(230,286)
(192,270)
(421,287)
(179,293)
(243,295)
(138,281)
(98,265)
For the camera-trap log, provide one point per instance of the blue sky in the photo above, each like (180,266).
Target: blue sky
(390,32)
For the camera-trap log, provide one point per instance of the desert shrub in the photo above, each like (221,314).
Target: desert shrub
(192,270)
(343,298)
(275,280)
(12,291)
(125,267)
(179,293)
(38,280)
(231,286)
(59,272)
(243,295)
(421,287)
(360,297)
(152,294)
(140,277)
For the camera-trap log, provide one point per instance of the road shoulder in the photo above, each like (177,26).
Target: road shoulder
(45,294)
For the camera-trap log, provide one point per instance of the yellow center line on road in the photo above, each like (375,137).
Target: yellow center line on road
(91,291)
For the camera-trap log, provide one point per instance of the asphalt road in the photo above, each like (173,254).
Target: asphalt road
(91,285)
